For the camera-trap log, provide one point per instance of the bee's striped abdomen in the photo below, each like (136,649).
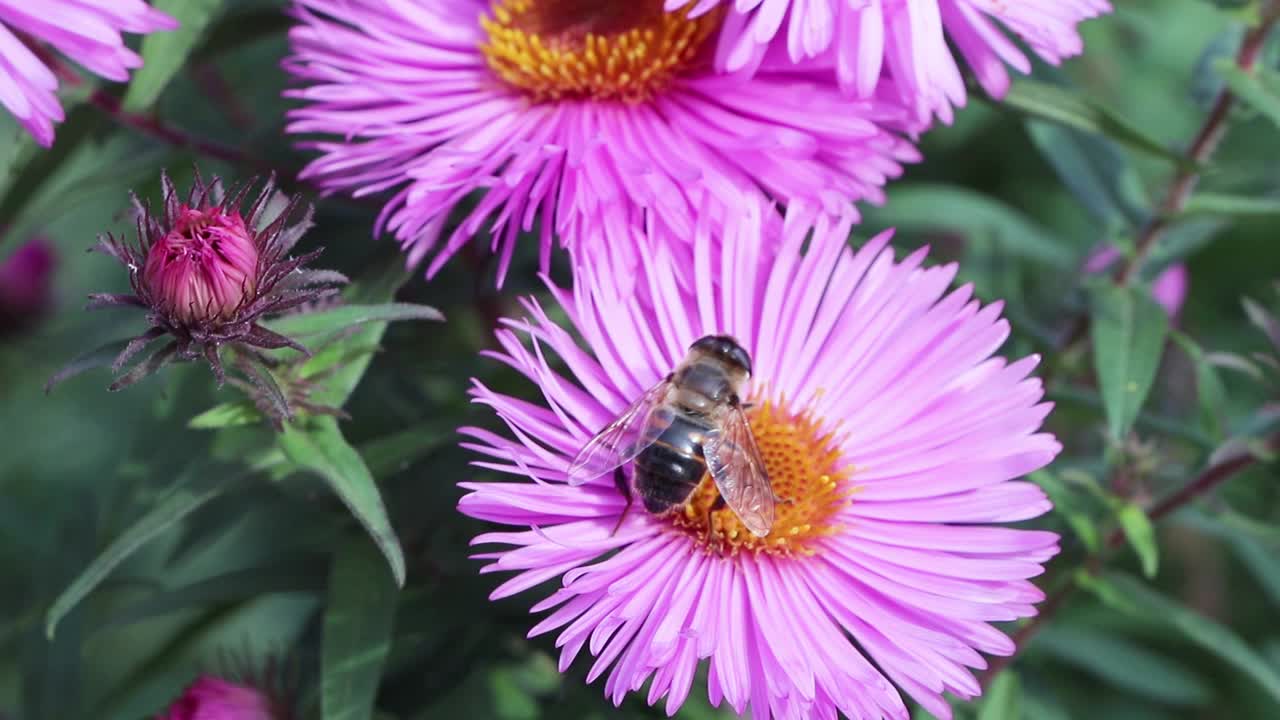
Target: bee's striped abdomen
(668,470)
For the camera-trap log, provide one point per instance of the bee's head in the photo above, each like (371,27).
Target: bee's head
(726,349)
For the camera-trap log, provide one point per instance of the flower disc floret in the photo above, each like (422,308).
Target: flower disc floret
(555,49)
(808,474)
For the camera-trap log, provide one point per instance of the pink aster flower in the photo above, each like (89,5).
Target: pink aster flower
(212,698)
(910,39)
(591,116)
(892,436)
(87,31)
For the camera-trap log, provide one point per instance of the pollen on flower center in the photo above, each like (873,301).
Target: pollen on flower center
(601,49)
(807,473)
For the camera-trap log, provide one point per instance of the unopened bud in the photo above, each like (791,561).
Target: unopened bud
(211,698)
(26,286)
(205,268)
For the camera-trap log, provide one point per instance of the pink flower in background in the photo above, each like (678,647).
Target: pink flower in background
(26,286)
(86,31)
(1169,288)
(211,698)
(910,40)
(890,432)
(594,117)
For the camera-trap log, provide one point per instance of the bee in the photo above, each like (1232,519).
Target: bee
(691,422)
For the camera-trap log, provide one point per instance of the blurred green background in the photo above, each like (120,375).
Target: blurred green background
(1018,199)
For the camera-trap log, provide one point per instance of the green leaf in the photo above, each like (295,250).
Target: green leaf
(1122,663)
(1132,596)
(188,496)
(53,670)
(1261,561)
(1141,535)
(1181,241)
(1095,171)
(228,414)
(164,53)
(1210,390)
(929,206)
(345,316)
(510,700)
(16,148)
(1235,206)
(1070,506)
(1070,109)
(321,448)
(357,631)
(44,166)
(1043,708)
(97,170)
(238,27)
(1128,330)
(376,286)
(393,453)
(1165,425)
(1257,551)
(1260,90)
(1003,700)
(290,576)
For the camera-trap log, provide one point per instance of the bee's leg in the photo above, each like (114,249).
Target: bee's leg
(620,480)
(718,504)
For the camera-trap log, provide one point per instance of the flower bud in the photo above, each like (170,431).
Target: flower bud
(204,268)
(1170,289)
(26,286)
(211,698)
(208,275)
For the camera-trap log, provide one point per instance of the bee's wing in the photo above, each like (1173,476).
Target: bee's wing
(733,458)
(623,439)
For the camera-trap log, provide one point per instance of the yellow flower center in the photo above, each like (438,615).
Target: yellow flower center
(808,476)
(600,49)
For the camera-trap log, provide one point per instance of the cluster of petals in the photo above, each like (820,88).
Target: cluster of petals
(909,41)
(402,98)
(933,427)
(88,32)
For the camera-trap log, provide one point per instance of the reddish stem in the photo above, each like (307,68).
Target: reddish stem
(153,127)
(1184,182)
(149,125)
(222,92)
(1201,149)
(1212,477)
